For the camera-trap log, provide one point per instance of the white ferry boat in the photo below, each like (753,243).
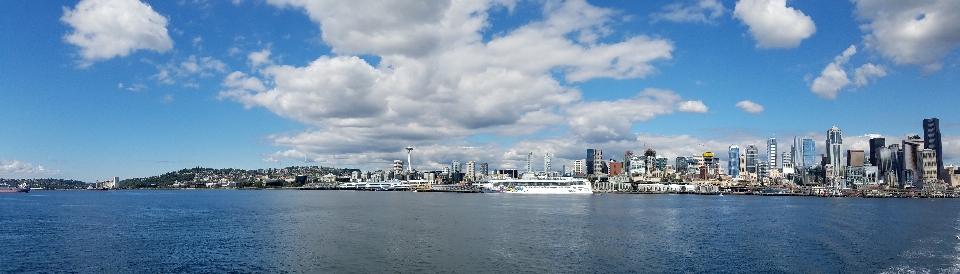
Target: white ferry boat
(564,185)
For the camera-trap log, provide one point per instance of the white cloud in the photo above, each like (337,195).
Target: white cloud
(693,106)
(611,121)
(17,168)
(424,92)
(773,24)
(833,77)
(750,107)
(104,29)
(865,73)
(705,11)
(259,57)
(190,67)
(911,32)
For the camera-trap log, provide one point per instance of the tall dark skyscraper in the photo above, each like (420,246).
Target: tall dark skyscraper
(752,155)
(875,145)
(589,160)
(931,140)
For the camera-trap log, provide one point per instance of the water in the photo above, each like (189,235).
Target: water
(204,231)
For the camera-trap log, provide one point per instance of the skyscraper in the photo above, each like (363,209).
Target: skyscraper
(912,147)
(809,152)
(931,140)
(599,166)
(471,172)
(876,144)
(547,159)
(796,152)
(772,153)
(834,154)
(733,161)
(529,162)
(589,161)
(753,157)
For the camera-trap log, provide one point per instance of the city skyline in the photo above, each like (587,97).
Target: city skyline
(89,93)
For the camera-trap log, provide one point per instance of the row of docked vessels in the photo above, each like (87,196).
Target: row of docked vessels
(377,186)
(562,185)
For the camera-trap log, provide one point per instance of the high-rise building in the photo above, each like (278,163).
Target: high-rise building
(547,159)
(809,153)
(484,169)
(627,157)
(772,153)
(753,158)
(471,172)
(682,164)
(785,159)
(589,161)
(911,170)
(599,166)
(876,145)
(455,167)
(796,150)
(855,157)
(578,167)
(834,141)
(932,140)
(529,166)
(928,163)
(733,161)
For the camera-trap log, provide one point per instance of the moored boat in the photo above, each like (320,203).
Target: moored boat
(9,189)
(563,185)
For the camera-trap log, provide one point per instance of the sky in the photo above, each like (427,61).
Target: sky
(94,89)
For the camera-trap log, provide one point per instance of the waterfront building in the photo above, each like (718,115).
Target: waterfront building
(753,158)
(785,158)
(932,140)
(638,165)
(787,167)
(529,166)
(877,144)
(809,153)
(855,157)
(911,171)
(484,169)
(928,162)
(743,166)
(455,167)
(589,161)
(627,157)
(547,159)
(796,152)
(763,170)
(615,168)
(397,166)
(682,164)
(471,172)
(834,142)
(598,163)
(733,161)
(772,153)
(578,167)
(661,163)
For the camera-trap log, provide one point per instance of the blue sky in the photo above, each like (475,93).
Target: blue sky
(99,88)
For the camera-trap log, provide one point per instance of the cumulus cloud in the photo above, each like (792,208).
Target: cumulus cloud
(612,120)
(704,11)
(773,24)
(833,78)
(693,106)
(18,168)
(867,72)
(104,29)
(259,57)
(911,32)
(438,81)
(750,107)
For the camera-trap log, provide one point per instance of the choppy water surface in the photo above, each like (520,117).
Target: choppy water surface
(190,231)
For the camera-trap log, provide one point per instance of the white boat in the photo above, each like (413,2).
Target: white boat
(565,185)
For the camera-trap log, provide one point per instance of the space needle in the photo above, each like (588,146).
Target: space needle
(409,166)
